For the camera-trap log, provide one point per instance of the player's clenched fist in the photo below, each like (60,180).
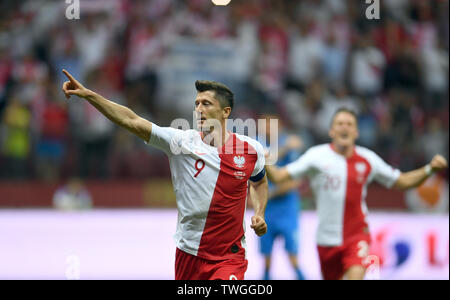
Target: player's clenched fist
(73,87)
(438,163)
(259,225)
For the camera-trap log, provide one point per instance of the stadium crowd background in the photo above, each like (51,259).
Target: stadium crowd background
(299,59)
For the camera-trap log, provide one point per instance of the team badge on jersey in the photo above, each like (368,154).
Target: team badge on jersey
(361,169)
(239,161)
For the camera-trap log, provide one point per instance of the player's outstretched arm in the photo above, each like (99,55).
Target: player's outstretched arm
(118,114)
(258,194)
(416,177)
(277,175)
(283,188)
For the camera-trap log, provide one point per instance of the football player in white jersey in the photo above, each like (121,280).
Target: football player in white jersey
(212,170)
(339,174)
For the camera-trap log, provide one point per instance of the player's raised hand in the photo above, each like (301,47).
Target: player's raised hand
(73,87)
(438,163)
(259,225)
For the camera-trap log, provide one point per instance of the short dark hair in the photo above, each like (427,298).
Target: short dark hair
(222,93)
(346,110)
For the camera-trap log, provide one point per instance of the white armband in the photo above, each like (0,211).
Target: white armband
(428,170)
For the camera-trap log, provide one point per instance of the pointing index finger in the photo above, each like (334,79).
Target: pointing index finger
(69,76)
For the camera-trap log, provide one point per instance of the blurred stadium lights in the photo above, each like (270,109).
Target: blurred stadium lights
(221,2)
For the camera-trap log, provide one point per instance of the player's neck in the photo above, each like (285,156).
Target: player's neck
(346,151)
(215,138)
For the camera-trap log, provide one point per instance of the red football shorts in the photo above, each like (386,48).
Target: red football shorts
(190,267)
(335,261)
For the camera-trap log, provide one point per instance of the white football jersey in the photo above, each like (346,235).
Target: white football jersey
(340,187)
(210,185)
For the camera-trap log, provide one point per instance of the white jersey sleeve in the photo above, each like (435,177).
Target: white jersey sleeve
(258,171)
(382,173)
(166,138)
(261,161)
(302,165)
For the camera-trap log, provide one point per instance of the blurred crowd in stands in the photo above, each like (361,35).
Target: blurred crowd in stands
(301,59)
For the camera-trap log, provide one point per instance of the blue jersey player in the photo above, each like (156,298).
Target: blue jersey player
(283,207)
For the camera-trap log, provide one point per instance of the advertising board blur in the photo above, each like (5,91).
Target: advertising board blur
(138,244)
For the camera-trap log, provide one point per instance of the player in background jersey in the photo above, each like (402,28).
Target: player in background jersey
(339,174)
(211,173)
(283,207)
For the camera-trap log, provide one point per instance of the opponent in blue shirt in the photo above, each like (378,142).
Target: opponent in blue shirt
(283,207)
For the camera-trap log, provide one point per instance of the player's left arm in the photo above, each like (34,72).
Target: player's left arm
(416,177)
(258,194)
